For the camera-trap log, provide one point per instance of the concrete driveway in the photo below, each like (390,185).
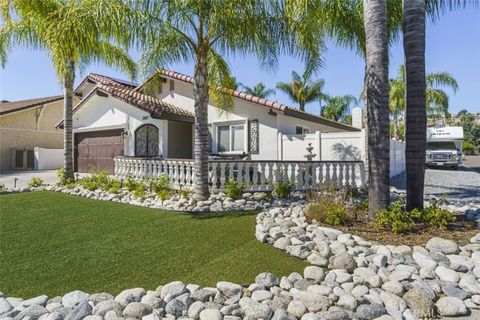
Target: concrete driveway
(24,177)
(472,162)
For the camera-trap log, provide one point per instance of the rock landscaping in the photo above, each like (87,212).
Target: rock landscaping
(349,278)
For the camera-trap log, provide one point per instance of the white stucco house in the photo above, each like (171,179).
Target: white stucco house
(116,118)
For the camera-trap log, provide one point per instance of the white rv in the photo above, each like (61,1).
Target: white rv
(444,146)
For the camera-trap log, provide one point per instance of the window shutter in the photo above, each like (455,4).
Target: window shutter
(253,137)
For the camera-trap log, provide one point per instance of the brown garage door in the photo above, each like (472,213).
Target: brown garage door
(96,150)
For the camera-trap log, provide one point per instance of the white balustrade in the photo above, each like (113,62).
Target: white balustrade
(254,175)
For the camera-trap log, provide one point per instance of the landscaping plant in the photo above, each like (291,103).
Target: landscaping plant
(35,182)
(396,218)
(327,211)
(233,189)
(282,190)
(160,183)
(163,194)
(140,191)
(2,187)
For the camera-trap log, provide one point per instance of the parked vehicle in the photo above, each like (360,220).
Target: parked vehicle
(444,147)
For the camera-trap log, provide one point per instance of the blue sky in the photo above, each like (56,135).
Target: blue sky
(453,45)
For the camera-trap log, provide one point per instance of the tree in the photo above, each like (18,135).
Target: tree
(302,89)
(397,99)
(259,90)
(376,101)
(74,33)
(338,107)
(205,31)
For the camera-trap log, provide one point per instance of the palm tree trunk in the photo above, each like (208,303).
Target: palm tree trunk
(68,82)
(200,93)
(415,101)
(376,84)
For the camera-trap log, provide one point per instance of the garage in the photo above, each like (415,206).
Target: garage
(95,150)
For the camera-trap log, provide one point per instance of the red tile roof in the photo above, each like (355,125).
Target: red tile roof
(152,105)
(289,111)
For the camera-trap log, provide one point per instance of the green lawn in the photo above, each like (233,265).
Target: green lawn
(52,243)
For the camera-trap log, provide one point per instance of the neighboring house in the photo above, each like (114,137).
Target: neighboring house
(115,118)
(26,125)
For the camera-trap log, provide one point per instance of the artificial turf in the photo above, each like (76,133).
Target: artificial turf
(53,243)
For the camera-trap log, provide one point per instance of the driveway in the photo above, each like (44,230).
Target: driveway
(472,162)
(24,177)
(460,185)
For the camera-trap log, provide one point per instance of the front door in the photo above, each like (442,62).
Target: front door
(146,141)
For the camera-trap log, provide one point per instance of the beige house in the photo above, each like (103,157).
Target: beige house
(26,125)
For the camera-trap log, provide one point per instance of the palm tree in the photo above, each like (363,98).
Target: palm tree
(302,89)
(74,33)
(338,107)
(436,98)
(376,101)
(397,99)
(259,90)
(205,31)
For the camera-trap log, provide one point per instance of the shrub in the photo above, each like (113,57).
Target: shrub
(61,178)
(159,184)
(469,148)
(233,189)
(114,186)
(184,193)
(327,211)
(437,217)
(2,187)
(163,194)
(101,179)
(89,183)
(35,182)
(131,184)
(140,191)
(396,218)
(282,189)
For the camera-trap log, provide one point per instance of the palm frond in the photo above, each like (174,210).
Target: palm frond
(441,79)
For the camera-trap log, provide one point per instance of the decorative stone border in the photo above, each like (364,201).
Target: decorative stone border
(350,278)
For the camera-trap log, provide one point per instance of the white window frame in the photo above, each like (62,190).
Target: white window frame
(231,124)
(305,130)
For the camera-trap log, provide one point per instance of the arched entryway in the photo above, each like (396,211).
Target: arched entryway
(146,141)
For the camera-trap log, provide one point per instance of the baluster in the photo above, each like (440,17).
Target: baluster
(291,174)
(255,170)
(268,175)
(247,177)
(182,173)
(231,165)
(261,168)
(276,169)
(353,176)
(188,175)
(223,166)
(334,176)
(327,175)
(239,172)
(298,176)
(169,171)
(347,174)
(214,177)
(308,175)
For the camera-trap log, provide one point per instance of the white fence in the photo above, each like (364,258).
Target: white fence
(337,146)
(255,175)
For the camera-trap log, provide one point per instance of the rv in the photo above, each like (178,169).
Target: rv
(444,147)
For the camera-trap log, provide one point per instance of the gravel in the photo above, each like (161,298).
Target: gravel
(462,185)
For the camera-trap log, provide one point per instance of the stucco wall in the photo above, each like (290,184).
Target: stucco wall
(104,113)
(28,129)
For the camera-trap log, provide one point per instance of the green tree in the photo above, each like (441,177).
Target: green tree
(73,33)
(338,107)
(302,89)
(259,90)
(205,31)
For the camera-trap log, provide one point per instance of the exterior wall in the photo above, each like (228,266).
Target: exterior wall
(104,113)
(47,159)
(30,128)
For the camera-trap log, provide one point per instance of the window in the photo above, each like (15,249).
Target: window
(301,130)
(231,138)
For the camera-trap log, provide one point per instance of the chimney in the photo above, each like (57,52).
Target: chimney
(357,117)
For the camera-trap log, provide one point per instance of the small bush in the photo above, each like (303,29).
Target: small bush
(163,194)
(35,182)
(327,211)
(140,191)
(233,190)
(159,184)
(114,186)
(101,179)
(396,218)
(89,183)
(469,148)
(131,184)
(2,187)
(282,190)
(61,178)
(437,217)
(184,193)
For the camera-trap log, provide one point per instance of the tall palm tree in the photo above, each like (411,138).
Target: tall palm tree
(338,107)
(74,33)
(376,101)
(302,89)
(259,90)
(436,98)
(205,31)
(415,100)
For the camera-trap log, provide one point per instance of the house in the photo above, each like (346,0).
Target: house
(27,129)
(116,117)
